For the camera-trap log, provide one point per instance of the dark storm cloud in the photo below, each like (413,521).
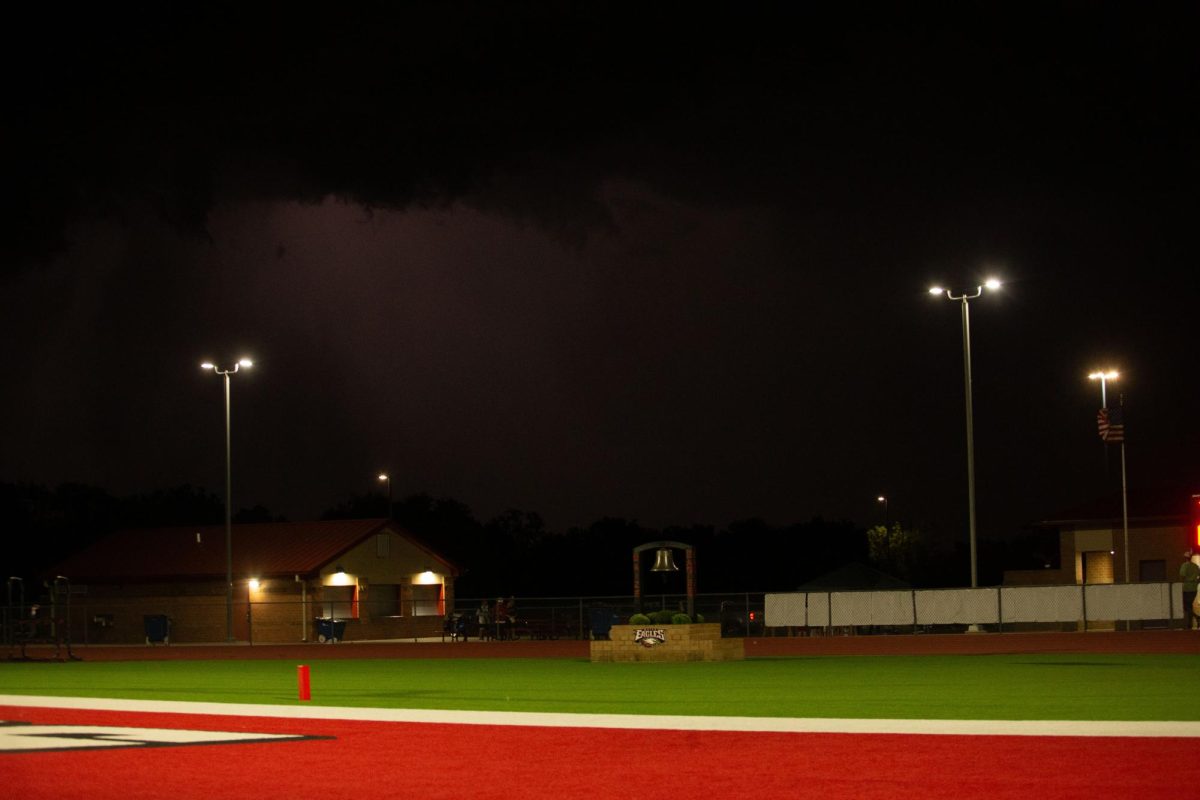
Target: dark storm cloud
(527,109)
(398,105)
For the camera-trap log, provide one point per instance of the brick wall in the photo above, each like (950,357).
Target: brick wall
(700,642)
(115,615)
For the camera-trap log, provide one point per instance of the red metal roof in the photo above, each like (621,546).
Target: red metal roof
(198,552)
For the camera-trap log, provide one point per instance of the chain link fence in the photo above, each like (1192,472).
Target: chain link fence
(739,614)
(76,618)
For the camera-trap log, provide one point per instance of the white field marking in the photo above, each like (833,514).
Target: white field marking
(30,738)
(959,727)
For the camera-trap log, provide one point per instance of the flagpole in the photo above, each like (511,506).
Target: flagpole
(1124,495)
(1104,444)
(1105,422)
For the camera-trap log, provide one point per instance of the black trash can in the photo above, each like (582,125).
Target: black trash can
(330,630)
(158,628)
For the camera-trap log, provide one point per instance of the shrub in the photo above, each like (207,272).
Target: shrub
(639,619)
(661,617)
(681,619)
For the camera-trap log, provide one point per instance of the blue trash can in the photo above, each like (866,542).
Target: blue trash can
(157,628)
(602,620)
(330,630)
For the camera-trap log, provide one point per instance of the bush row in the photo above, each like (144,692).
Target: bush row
(664,617)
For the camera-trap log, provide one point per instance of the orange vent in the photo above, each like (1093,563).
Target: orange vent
(1196,518)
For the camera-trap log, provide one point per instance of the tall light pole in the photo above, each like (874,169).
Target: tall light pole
(225,373)
(1104,376)
(384,477)
(963,298)
(884,500)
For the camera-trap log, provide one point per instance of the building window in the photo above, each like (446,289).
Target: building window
(383,546)
(384,600)
(428,601)
(340,602)
(1152,571)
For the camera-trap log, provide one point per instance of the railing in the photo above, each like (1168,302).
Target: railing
(590,617)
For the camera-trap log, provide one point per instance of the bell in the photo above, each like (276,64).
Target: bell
(664,561)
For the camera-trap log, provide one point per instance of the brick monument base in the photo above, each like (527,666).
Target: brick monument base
(698,642)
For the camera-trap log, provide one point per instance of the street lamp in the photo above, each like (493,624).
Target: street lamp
(884,500)
(384,477)
(245,362)
(990,283)
(1104,376)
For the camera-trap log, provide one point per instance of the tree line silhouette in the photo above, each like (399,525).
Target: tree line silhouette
(516,554)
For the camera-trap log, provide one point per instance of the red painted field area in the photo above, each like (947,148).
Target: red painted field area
(368,760)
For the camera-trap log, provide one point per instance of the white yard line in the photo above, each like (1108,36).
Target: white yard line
(632,721)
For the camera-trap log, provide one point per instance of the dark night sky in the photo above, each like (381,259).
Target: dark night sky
(615,259)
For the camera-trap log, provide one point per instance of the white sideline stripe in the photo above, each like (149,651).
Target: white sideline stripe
(954,727)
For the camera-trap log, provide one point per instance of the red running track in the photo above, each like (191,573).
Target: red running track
(373,760)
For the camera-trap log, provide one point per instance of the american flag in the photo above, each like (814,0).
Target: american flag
(1111,425)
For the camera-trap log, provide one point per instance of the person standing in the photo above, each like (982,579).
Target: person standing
(1189,573)
(501,618)
(483,616)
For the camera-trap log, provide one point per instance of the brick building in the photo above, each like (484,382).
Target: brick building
(1092,546)
(370,573)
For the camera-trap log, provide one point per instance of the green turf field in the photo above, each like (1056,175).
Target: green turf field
(1068,687)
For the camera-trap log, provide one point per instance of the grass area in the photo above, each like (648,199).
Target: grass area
(1072,687)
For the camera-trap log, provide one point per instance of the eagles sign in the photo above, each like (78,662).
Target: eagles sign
(649,637)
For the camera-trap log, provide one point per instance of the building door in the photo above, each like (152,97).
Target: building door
(1097,566)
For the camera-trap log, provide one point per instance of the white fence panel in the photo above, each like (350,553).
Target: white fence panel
(956,606)
(872,608)
(891,608)
(849,607)
(1042,603)
(787,610)
(818,609)
(1128,601)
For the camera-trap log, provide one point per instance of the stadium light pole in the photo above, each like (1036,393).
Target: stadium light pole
(1104,376)
(385,478)
(225,373)
(963,299)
